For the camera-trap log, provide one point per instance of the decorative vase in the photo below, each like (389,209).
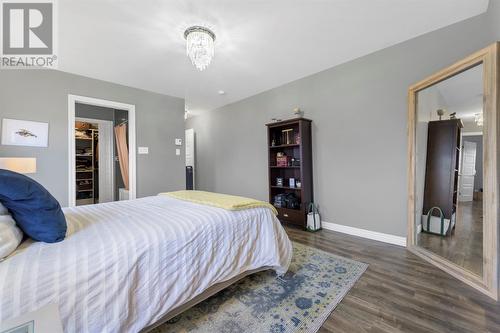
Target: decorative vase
(298,113)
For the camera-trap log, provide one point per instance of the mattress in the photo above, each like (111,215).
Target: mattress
(126,264)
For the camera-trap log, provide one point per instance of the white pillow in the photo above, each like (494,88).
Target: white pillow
(10,236)
(3,210)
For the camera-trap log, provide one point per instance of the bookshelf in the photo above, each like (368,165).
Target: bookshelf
(290,141)
(441,170)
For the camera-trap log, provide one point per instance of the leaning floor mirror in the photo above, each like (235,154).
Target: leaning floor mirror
(453,186)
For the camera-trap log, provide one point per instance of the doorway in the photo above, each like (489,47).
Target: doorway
(94,159)
(102,160)
(471,167)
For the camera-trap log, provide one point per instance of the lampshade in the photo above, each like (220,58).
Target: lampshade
(18,164)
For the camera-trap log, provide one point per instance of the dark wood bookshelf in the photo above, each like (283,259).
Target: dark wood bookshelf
(298,146)
(284,167)
(285,146)
(287,188)
(442,162)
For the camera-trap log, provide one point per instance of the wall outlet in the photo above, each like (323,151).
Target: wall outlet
(177,151)
(143,150)
(178,142)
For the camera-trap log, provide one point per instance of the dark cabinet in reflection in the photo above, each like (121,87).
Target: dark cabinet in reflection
(441,176)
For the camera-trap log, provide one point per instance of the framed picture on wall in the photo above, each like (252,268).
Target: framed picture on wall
(24,133)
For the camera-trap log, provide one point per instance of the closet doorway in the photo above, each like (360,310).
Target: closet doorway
(101,151)
(94,159)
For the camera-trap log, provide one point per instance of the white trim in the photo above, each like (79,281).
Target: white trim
(378,236)
(72,100)
(471,133)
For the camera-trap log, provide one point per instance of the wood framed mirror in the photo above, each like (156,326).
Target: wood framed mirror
(453,147)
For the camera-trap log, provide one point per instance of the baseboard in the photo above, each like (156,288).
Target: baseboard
(378,236)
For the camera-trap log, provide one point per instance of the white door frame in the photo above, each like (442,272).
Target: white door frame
(189,143)
(465,134)
(72,100)
(107,161)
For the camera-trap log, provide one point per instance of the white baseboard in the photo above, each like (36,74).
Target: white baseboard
(378,236)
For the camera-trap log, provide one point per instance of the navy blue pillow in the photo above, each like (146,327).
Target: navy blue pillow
(34,209)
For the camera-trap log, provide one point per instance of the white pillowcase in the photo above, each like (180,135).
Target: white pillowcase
(10,236)
(3,210)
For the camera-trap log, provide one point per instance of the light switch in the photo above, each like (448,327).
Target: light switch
(178,142)
(177,151)
(143,150)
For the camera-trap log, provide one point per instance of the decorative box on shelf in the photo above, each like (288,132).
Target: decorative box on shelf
(282,161)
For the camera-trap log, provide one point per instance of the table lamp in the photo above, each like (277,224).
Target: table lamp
(18,164)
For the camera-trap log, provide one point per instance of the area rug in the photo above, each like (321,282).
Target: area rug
(300,301)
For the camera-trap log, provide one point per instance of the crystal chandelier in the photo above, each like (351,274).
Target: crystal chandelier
(200,46)
(478,117)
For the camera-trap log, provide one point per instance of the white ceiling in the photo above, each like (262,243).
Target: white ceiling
(463,93)
(260,44)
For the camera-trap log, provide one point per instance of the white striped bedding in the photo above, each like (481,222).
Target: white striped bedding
(125,264)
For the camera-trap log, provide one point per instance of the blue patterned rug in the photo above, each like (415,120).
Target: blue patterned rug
(298,302)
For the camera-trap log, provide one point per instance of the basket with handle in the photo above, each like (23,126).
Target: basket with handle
(313,218)
(428,228)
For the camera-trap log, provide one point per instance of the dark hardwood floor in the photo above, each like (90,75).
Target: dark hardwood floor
(400,292)
(464,246)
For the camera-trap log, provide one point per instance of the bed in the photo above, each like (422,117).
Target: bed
(128,266)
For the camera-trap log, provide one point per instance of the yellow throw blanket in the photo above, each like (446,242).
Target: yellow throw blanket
(224,201)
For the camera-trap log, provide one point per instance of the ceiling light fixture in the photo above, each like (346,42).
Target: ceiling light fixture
(200,46)
(478,118)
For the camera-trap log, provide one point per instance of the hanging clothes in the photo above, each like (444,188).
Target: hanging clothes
(122,148)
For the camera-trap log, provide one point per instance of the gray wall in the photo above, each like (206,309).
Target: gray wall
(359,113)
(42,95)
(494,18)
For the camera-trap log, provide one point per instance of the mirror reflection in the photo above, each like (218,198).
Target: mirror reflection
(449,169)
